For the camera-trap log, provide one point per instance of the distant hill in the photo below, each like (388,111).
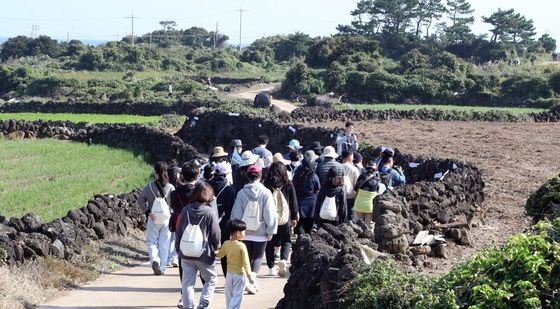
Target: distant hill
(85,41)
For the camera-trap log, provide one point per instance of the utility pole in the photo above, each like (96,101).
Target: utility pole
(132,21)
(215,35)
(67,36)
(240,10)
(34,29)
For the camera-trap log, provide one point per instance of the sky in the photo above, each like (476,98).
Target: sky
(105,19)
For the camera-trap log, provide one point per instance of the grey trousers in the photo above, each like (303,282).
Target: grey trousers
(235,285)
(208,274)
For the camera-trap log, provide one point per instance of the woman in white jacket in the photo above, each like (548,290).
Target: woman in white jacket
(158,235)
(255,205)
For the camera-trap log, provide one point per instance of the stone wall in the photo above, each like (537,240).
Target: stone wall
(104,215)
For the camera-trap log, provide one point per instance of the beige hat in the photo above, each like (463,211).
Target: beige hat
(279,158)
(329,152)
(219,152)
(248,158)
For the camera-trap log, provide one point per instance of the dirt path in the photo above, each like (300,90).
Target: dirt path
(250,93)
(515,159)
(138,288)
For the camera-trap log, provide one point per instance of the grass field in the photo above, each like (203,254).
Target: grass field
(93,118)
(51,177)
(381,107)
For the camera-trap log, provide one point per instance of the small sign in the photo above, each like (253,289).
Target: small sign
(234,114)
(292,129)
(413,165)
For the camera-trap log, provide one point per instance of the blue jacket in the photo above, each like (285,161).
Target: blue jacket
(397,177)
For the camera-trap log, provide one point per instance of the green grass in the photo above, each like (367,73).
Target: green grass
(51,177)
(93,118)
(109,75)
(406,107)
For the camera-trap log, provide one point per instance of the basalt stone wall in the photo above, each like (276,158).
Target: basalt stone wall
(104,215)
(322,263)
(320,114)
(158,144)
(139,108)
(438,191)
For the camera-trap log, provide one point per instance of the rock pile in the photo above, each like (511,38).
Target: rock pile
(322,262)
(104,215)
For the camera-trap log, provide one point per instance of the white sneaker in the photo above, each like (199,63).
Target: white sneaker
(282,268)
(180,303)
(272,271)
(250,289)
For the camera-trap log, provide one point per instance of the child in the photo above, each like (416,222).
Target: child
(237,263)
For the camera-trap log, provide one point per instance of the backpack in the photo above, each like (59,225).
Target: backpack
(348,188)
(328,209)
(386,179)
(160,208)
(214,203)
(192,240)
(282,208)
(252,215)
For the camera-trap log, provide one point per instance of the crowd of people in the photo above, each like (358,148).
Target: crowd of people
(244,205)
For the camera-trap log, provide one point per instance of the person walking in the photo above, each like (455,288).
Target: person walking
(198,214)
(328,162)
(157,231)
(284,195)
(255,205)
(331,201)
(306,184)
(240,179)
(347,140)
(351,174)
(224,199)
(238,268)
(367,188)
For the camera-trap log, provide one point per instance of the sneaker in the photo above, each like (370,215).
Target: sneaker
(272,272)
(282,272)
(250,289)
(180,303)
(155,268)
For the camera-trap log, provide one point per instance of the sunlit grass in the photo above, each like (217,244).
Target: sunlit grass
(51,177)
(91,118)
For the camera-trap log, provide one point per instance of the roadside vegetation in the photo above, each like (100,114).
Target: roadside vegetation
(51,177)
(91,118)
(407,107)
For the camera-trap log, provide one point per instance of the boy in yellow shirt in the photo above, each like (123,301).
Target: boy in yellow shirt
(238,266)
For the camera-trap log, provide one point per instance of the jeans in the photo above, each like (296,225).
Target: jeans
(173,257)
(235,285)
(207,272)
(350,207)
(158,239)
(282,239)
(255,249)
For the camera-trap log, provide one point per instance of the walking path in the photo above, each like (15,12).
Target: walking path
(137,287)
(250,94)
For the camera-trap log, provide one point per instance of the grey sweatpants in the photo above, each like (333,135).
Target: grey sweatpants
(208,274)
(235,285)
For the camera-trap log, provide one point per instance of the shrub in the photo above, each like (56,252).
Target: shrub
(384,285)
(532,87)
(413,60)
(555,82)
(545,202)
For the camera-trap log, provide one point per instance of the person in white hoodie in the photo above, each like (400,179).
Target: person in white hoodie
(267,223)
(158,235)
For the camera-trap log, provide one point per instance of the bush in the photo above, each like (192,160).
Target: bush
(545,202)
(554,81)
(384,285)
(531,87)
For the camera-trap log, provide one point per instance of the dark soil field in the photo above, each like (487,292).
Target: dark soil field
(515,159)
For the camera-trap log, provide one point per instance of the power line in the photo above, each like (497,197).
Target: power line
(132,21)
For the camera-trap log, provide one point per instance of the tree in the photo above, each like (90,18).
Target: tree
(372,17)
(547,42)
(510,27)
(428,11)
(168,25)
(461,15)
(15,47)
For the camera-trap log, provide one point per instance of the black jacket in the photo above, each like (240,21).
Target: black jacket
(342,211)
(290,195)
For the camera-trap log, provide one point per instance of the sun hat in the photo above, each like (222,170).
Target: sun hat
(219,152)
(236,143)
(279,158)
(221,169)
(248,158)
(310,156)
(254,169)
(294,144)
(329,152)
